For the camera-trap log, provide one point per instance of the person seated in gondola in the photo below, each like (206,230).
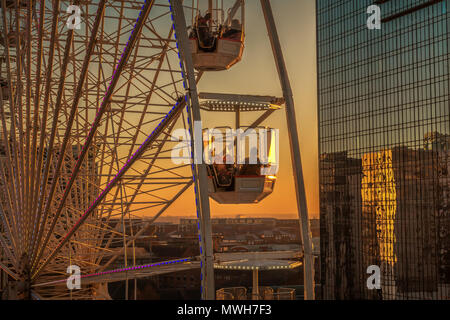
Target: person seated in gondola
(251,168)
(233,32)
(224,173)
(192,33)
(203,27)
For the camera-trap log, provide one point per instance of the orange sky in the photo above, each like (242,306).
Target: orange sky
(256,74)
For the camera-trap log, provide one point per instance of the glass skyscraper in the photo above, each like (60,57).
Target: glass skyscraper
(384,138)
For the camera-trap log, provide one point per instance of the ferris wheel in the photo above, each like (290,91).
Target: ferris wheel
(91,93)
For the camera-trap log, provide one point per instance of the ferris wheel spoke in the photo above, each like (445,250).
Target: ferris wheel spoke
(26,178)
(141,120)
(5,209)
(105,103)
(147,225)
(15,179)
(114,155)
(19,106)
(143,178)
(70,122)
(39,53)
(141,182)
(175,110)
(44,117)
(50,144)
(9,271)
(12,258)
(9,184)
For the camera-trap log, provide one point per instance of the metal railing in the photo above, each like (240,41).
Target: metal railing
(236,293)
(265,293)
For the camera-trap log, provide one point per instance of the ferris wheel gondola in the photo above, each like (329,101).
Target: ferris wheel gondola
(237,174)
(216,43)
(233,183)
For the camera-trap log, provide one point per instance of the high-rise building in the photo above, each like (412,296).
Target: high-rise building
(384,128)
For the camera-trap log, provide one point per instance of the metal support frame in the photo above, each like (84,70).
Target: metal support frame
(199,170)
(308,259)
(243,98)
(255,287)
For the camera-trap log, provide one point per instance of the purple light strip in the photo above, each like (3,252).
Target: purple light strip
(138,267)
(145,266)
(114,74)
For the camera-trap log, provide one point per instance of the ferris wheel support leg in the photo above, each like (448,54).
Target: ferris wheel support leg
(199,169)
(308,259)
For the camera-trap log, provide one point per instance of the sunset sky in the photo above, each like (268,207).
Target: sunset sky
(257,74)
